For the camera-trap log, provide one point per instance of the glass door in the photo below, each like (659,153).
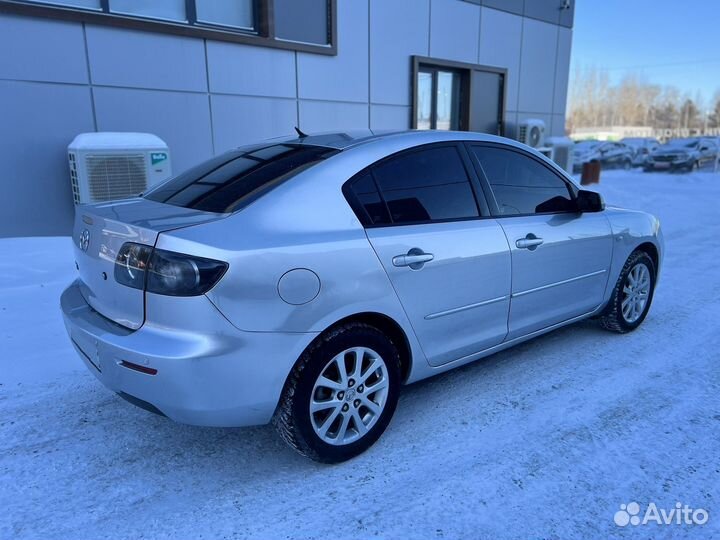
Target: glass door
(438,99)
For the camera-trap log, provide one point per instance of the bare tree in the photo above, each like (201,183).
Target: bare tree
(634,101)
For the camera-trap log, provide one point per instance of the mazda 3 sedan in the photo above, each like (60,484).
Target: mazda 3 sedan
(304,280)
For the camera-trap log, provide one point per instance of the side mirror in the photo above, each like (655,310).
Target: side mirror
(590,201)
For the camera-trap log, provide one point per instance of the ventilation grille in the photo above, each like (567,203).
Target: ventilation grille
(115,176)
(73,178)
(523,134)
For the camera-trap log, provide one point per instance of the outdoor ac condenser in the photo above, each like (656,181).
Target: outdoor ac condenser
(532,132)
(108,166)
(560,150)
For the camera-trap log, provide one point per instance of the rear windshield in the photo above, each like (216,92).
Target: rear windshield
(232,180)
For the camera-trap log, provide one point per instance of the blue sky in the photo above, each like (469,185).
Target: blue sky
(669,41)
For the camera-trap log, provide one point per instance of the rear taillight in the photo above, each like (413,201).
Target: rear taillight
(164,272)
(131,264)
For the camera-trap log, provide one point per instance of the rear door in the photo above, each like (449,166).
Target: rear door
(448,261)
(560,257)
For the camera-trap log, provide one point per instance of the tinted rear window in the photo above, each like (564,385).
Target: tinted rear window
(232,180)
(429,184)
(368,197)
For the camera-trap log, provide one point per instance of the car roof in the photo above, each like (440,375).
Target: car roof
(364,147)
(349,139)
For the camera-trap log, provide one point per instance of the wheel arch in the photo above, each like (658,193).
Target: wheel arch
(385,324)
(652,251)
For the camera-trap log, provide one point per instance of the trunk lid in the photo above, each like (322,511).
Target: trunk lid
(99,232)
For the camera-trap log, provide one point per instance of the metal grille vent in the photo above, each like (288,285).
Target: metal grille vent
(73,178)
(523,134)
(113,177)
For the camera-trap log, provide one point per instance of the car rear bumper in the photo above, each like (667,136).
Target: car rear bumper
(193,366)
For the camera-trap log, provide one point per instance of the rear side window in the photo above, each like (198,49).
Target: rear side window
(368,199)
(522,185)
(232,180)
(425,185)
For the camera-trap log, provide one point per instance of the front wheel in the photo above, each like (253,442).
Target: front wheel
(632,295)
(341,395)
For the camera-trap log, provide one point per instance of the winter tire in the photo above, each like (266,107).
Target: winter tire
(632,295)
(341,394)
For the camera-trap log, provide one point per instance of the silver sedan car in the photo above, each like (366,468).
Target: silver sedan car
(304,280)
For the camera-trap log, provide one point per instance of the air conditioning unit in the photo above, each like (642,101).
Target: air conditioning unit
(109,166)
(532,132)
(560,150)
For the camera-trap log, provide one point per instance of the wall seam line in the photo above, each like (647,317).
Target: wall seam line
(369,98)
(89,76)
(209,97)
(297,92)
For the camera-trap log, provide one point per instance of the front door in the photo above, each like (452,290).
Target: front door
(562,277)
(449,266)
(560,257)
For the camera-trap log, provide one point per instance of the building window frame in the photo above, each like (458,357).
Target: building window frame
(262,34)
(465,70)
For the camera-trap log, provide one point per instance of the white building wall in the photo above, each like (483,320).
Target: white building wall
(202,97)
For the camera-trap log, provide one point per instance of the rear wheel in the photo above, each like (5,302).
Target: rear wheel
(341,395)
(632,295)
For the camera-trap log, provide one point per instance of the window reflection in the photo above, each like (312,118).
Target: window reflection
(447,102)
(438,99)
(424,104)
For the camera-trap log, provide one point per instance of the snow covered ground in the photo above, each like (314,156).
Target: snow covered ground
(545,440)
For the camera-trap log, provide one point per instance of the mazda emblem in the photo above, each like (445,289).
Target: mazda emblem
(84,242)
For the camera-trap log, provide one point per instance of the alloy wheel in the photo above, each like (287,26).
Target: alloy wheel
(349,396)
(636,292)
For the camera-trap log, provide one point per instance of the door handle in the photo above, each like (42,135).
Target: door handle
(530,242)
(415,259)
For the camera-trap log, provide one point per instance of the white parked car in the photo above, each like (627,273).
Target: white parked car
(306,280)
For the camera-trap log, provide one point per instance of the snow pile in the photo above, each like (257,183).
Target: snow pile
(544,440)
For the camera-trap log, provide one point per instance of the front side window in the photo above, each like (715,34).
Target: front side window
(522,185)
(426,185)
(232,180)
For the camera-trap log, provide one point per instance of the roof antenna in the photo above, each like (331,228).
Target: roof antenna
(300,133)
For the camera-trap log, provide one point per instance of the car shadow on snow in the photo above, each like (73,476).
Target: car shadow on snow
(101,443)
(244,452)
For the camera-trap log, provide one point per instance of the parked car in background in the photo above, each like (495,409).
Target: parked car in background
(642,148)
(303,281)
(611,155)
(683,154)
